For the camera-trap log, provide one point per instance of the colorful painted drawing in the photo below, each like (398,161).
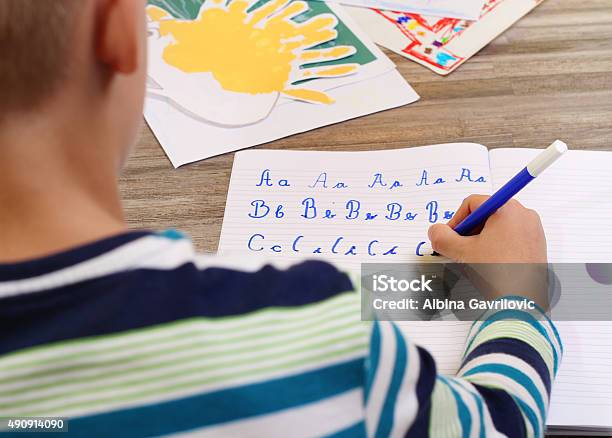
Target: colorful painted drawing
(226,75)
(441,44)
(430,36)
(230,62)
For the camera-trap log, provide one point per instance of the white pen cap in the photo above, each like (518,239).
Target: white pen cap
(546,158)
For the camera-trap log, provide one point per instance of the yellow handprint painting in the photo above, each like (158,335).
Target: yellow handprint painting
(230,64)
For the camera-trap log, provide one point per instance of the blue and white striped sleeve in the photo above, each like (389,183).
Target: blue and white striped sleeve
(502,387)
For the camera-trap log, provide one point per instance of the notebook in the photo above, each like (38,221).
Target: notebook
(353,207)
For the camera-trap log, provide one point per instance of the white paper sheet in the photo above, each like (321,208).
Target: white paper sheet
(465,9)
(186,140)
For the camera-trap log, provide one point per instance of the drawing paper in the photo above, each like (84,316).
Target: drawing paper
(353,207)
(465,9)
(230,63)
(440,44)
(186,139)
(221,98)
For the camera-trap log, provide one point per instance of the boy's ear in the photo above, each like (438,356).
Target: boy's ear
(117,36)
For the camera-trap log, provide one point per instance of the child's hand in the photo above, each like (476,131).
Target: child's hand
(514,234)
(508,257)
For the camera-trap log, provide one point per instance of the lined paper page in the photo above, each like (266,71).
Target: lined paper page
(347,207)
(582,394)
(402,202)
(445,340)
(574,199)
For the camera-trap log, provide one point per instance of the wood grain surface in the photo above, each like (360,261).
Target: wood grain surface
(548,77)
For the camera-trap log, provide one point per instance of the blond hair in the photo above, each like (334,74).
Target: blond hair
(35,36)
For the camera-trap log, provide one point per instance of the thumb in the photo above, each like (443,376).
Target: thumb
(447,242)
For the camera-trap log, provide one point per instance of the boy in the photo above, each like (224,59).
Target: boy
(132,333)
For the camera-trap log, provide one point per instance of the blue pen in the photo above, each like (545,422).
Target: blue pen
(540,163)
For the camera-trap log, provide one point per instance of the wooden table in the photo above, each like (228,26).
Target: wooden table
(548,77)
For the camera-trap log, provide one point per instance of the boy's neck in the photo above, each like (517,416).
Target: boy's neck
(58,188)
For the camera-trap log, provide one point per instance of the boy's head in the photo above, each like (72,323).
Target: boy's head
(81,61)
(35,40)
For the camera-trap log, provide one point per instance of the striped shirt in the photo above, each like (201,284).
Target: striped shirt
(137,335)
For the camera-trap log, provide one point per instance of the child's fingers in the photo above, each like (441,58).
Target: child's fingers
(444,240)
(468,205)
